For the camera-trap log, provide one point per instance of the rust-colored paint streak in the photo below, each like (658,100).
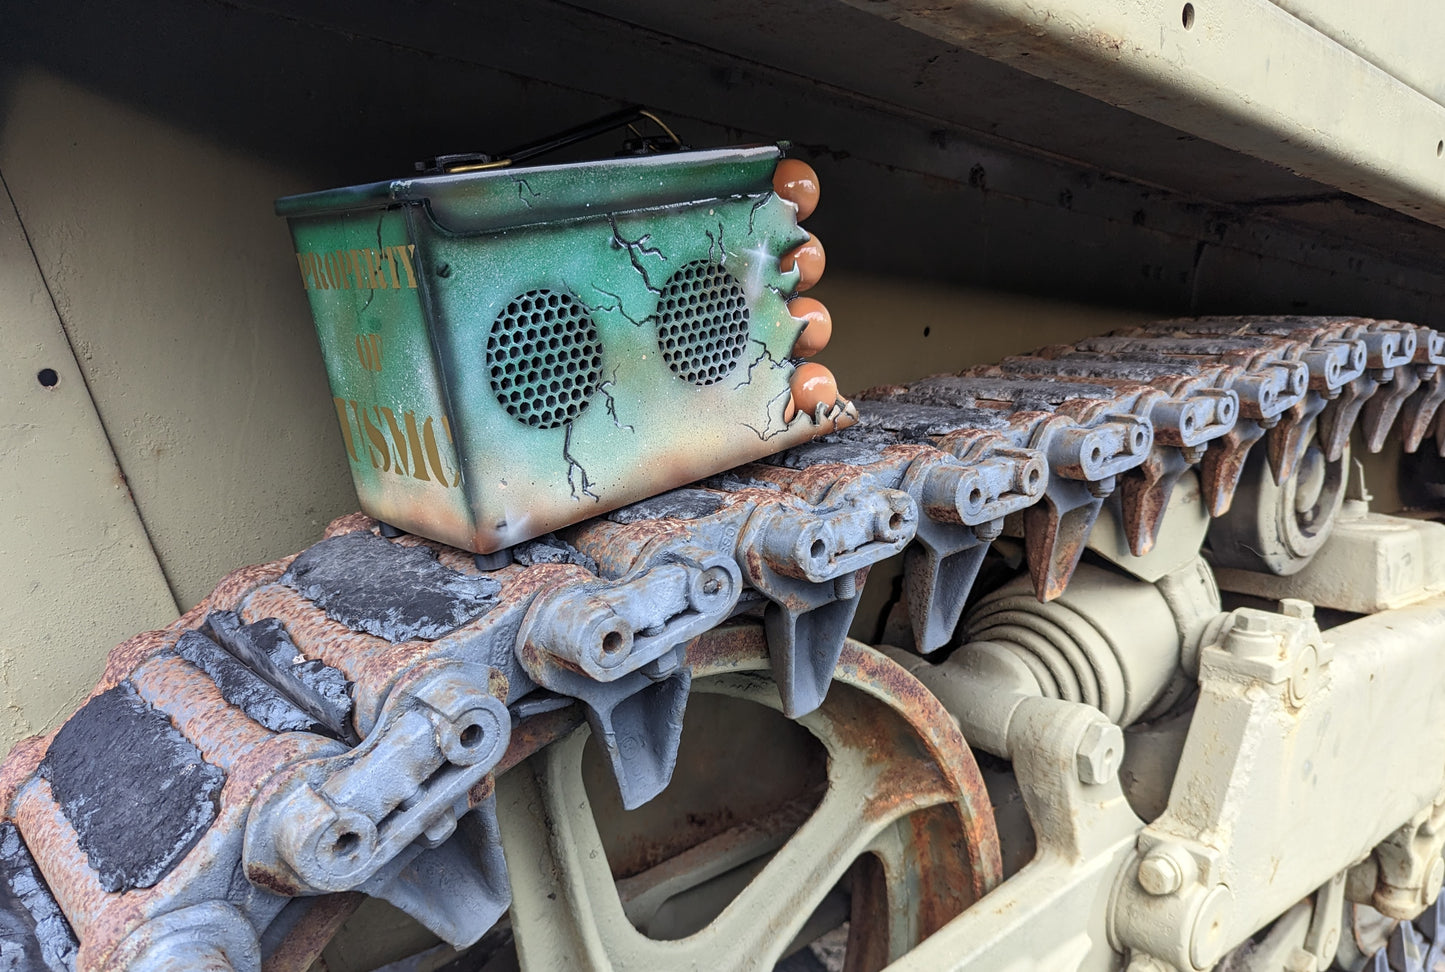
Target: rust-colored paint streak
(1054,542)
(350,523)
(737,646)
(482,790)
(946,886)
(741,646)
(323,919)
(538,732)
(223,733)
(237,585)
(869,919)
(904,785)
(615,546)
(923,769)
(56,849)
(19,767)
(816,481)
(1144,496)
(948,751)
(1220,470)
(126,656)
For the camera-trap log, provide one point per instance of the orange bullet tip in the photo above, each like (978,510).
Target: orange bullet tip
(810,260)
(813,385)
(817,326)
(796,182)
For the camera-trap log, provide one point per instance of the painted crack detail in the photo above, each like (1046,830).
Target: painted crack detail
(575,470)
(767,431)
(753,213)
(636,249)
(524,186)
(605,389)
(615,308)
(716,244)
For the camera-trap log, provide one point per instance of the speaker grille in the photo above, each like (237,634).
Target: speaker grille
(702,323)
(545,358)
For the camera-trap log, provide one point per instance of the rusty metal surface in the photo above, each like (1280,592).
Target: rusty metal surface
(610,621)
(902,789)
(303,944)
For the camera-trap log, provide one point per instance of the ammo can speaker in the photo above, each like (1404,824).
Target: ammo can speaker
(512,350)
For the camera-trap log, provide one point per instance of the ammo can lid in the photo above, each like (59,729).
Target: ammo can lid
(495,199)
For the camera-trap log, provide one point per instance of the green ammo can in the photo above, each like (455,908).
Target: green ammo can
(514,350)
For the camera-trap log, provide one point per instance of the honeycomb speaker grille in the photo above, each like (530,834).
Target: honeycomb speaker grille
(545,358)
(702,323)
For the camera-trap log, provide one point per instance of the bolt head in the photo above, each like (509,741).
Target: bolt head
(1100,751)
(1294,607)
(1254,634)
(1159,875)
(991,530)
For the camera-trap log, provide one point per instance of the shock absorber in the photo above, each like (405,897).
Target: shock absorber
(1124,646)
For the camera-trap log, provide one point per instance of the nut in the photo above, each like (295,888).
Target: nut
(1100,750)
(1249,621)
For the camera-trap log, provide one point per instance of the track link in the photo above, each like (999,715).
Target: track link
(334,721)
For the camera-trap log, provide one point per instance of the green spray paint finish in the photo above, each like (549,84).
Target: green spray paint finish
(514,350)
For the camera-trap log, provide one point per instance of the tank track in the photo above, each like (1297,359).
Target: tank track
(334,721)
